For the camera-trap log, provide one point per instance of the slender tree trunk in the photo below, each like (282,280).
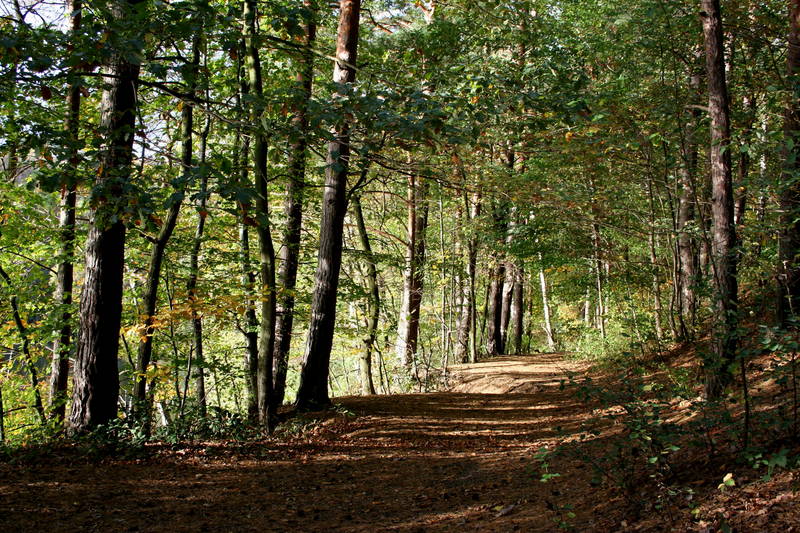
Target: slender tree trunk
(494,333)
(191,286)
(723,244)
(96,376)
(26,352)
(266,338)
(150,302)
(508,297)
(374,306)
(651,240)
(250,329)
(686,243)
(548,323)
(62,346)
(518,308)
(293,208)
(466,348)
(2,419)
(598,280)
(789,270)
(414,275)
(313,391)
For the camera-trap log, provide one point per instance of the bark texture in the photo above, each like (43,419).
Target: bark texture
(723,244)
(789,270)
(313,391)
(96,381)
(62,347)
(293,209)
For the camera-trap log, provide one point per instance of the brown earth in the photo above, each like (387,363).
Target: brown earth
(453,461)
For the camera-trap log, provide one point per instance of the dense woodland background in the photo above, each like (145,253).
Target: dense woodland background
(212,208)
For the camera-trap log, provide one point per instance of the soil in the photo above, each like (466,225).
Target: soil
(462,460)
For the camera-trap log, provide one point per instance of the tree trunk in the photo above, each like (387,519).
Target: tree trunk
(96,376)
(313,390)
(723,246)
(548,324)
(145,350)
(494,333)
(250,329)
(508,297)
(789,270)
(191,286)
(266,337)
(26,352)
(686,243)
(494,303)
(293,208)
(62,346)
(466,349)
(518,308)
(651,241)
(374,305)
(414,274)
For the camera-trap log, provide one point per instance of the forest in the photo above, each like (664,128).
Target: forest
(367,265)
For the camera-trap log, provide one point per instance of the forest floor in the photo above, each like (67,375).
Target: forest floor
(463,460)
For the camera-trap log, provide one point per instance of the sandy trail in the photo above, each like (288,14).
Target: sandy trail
(450,461)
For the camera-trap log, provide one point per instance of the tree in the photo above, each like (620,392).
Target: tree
(293,206)
(789,269)
(63,296)
(96,382)
(723,244)
(313,390)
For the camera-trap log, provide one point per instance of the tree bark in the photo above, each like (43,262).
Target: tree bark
(651,241)
(518,308)
(250,329)
(26,352)
(548,323)
(374,305)
(62,347)
(723,245)
(686,243)
(466,348)
(414,274)
(789,254)
(293,208)
(96,377)
(150,302)
(266,340)
(494,329)
(313,390)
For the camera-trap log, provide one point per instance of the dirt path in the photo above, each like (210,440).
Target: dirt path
(455,461)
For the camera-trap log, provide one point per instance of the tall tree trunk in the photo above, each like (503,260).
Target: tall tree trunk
(548,323)
(26,352)
(789,270)
(293,208)
(266,340)
(466,349)
(723,244)
(686,243)
(414,275)
(313,391)
(494,303)
(191,286)
(62,346)
(518,308)
(374,305)
(96,376)
(250,328)
(651,241)
(508,297)
(150,302)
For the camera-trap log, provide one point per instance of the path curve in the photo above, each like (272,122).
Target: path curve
(449,461)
